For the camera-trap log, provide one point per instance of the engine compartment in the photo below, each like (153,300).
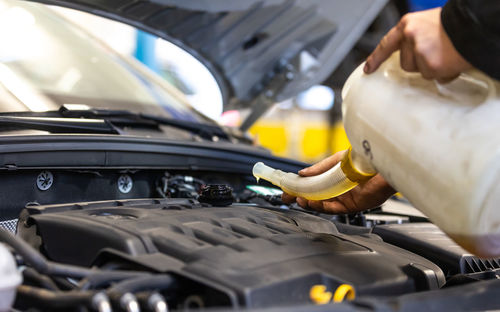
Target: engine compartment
(249,256)
(249,252)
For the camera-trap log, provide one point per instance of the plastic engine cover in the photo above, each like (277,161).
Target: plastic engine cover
(255,256)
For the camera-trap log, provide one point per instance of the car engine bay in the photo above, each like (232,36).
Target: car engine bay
(187,240)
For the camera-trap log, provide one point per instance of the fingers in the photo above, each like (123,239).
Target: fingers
(287,199)
(322,166)
(446,79)
(390,43)
(425,47)
(325,206)
(302,202)
(365,196)
(407,57)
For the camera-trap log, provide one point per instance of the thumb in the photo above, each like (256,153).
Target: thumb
(322,166)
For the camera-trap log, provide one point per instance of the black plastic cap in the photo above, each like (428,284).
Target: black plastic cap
(216,195)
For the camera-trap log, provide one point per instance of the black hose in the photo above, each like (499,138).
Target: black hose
(44,266)
(37,261)
(39,297)
(41,280)
(104,279)
(143,283)
(63,283)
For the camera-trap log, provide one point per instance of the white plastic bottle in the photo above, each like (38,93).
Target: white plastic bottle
(437,144)
(10,278)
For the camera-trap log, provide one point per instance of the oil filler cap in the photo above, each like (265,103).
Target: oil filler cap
(216,195)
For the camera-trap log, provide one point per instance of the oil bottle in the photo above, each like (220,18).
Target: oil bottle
(438,144)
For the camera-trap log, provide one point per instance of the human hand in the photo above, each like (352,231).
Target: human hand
(425,47)
(367,195)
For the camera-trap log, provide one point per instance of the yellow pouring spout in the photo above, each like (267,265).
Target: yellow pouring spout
(334,182)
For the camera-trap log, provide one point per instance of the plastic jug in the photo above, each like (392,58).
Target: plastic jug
(438,144)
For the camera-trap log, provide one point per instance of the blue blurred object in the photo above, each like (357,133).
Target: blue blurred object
(145,50)
(418,5)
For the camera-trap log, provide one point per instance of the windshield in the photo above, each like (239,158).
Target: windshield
(46,61)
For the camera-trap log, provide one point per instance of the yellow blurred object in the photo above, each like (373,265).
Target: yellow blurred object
(314,142)
(272,135)
(319,295)
(303,138)
(339,141)
(344,291)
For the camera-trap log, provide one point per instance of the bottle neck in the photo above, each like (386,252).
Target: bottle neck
(356,168)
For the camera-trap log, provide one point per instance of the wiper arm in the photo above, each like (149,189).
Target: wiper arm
(205,131)
(57,125)
(117,117)
(94,120)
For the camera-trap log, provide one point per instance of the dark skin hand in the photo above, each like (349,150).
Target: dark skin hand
(370,194)
(425,48)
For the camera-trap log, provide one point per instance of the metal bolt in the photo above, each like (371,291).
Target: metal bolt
(157,303)
(44,180)
(125,183)
(129,303)
(100,302)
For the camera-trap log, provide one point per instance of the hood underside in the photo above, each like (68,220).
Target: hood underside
(259,51)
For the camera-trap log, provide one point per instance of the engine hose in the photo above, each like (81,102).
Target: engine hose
(39,297)
(143,283)
(104,279)
(36,260)
(341,178)
(44,281)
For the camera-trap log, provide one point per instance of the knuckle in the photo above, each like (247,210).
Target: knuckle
(384,42)
(404,20)
(409,32)
(434,65)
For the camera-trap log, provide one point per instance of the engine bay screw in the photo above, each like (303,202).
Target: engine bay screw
(129,303)
(44,180)
(157,303)
(125,183)
(100,302)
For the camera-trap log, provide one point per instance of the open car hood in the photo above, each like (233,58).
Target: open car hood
(259,51)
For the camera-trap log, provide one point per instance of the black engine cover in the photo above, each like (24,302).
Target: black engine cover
(254,256)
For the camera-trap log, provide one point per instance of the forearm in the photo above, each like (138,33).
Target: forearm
(474,29)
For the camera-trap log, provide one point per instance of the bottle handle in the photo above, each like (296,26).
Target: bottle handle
(473,77)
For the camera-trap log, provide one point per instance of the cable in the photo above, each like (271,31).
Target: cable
(44,266)
(101,279)
(37,261)
(42,280)
(40,297)
(152,282)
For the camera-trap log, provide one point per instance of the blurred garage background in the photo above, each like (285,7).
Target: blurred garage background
(307,127)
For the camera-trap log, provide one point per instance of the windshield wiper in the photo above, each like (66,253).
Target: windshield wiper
(57,125)
(113,119)
(124,117)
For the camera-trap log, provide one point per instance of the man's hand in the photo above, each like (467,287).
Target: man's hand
(425,47)
(368,195)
